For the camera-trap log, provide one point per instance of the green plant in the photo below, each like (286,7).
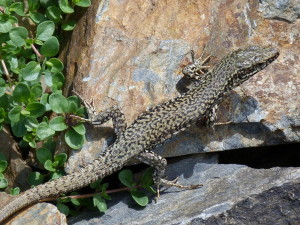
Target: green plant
(31,100)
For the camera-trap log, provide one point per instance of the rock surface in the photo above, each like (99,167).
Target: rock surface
(133,52)
(17,171)
(232,194)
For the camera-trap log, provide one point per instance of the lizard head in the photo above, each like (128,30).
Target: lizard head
(250,60)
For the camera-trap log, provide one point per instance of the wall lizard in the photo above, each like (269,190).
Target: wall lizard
(154,126)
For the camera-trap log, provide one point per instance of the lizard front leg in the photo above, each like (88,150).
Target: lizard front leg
(159,163)
(98,118)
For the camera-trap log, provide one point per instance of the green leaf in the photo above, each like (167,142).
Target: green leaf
(2,87)
(2,115)
(58,103)
(45,30)
(99,202)
(37,90)
(84,3)
(18,35)
(65,6)
(44,131)
(57,174)
(58,79)
(15,113)
(18,128)
(36,109)
(3,183)
(31,123)
(49,166)
(55,64)
(73,139)
(63,208)
(147,180)
(69,25)
(43,154)
(33,5)
(18,8)
(5,25)
(126,178)
(58,123)
(80,129)
(15,191)
(139,197)
(60,159)
(54,14)
(37,17)
(35,178)
(31,71)
(3,165)
(21,92)
(50,47)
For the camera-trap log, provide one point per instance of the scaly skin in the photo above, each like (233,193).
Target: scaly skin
(157,124)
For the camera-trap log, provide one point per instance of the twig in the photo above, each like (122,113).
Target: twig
(89,195)
(5,70)
(36,51)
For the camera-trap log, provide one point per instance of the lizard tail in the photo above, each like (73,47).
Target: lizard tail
(55,188)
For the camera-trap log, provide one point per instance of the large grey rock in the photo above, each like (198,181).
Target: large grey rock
(133,52)
(230,193)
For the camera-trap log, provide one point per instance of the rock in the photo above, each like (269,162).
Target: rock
(232,194)
(280,9)
(133,52)
(41,213)
(17,171)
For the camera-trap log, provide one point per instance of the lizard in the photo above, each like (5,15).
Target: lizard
(155,125)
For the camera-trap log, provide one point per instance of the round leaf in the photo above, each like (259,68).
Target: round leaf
(65,6)
(14,113)
(18,128)
(69,25)
(21,92)
(37,90)
(60,159)
(37,17)
(3,183)
(31,71)
(17,7)
(126,178)
(3,165)
(80,129)
(73,139)
(63,208)
(139,197)
(50,47)
(83,3)
(18,35)
(58,103)
(49,166)
(54,14)
(56,65)
(44,131)
(36,109)
(35,178)
(58,123)
(15,191)
(5,26)
(99,202)
(43,154)
(45,30)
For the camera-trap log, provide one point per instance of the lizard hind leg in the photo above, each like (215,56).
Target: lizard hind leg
(159,163)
